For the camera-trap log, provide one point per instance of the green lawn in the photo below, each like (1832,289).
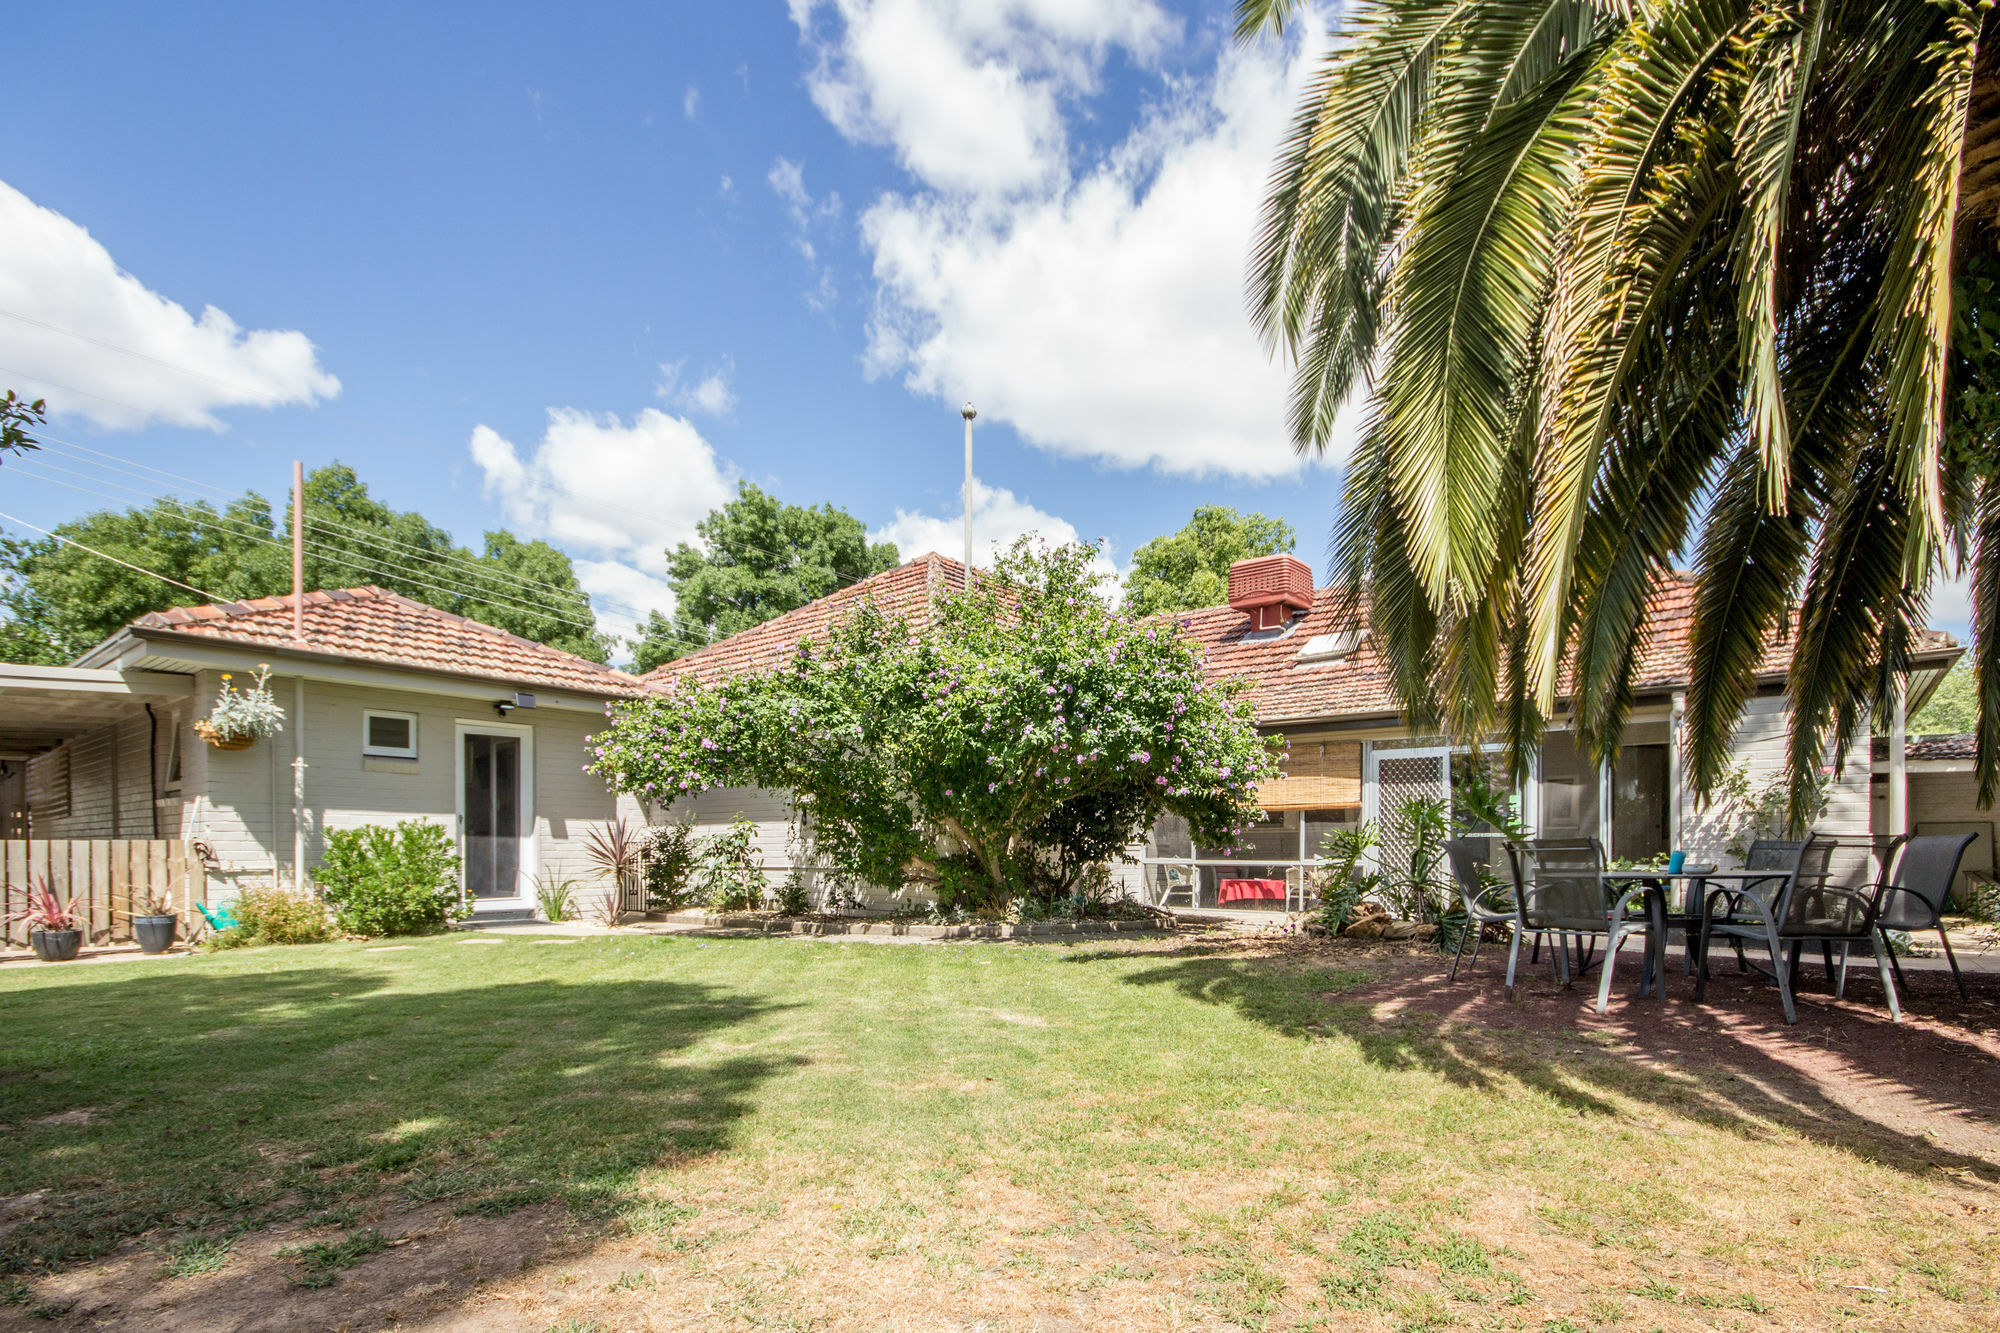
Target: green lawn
(763,1133)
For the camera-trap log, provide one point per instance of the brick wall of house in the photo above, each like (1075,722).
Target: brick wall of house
(245,812)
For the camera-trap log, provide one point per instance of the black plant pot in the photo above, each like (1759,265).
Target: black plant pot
(55,946)
(156,933)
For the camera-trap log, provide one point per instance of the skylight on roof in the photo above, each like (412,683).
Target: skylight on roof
(1333,647)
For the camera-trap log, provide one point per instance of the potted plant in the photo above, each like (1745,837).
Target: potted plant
(156,926)
(54,932)
(240,717)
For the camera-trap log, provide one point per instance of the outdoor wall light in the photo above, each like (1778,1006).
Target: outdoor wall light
(503,706)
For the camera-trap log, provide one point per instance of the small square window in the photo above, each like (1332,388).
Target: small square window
(393,735)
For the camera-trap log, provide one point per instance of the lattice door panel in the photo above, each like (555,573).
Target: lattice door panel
(1401,778)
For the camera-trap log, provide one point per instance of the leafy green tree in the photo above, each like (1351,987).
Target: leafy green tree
(1189,569)
(758,559)
(16,416)
(1630,281)
(58,599)
(1953,707)
(1025,737)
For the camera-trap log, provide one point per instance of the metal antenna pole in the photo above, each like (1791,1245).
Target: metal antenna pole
(298,551)
(968,412)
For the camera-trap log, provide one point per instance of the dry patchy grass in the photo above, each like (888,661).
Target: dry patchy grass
(773,1134)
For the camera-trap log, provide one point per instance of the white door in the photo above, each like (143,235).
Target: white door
(496,814)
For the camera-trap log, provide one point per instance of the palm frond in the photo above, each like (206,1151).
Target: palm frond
(1468,289)
(1778,58)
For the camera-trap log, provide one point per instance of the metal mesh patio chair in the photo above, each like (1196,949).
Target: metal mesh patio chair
(1805,909)
(1775,855)
(1562,893)
(1486,902)
(1913,894)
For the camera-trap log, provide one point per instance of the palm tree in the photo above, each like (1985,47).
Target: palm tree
(1630,281)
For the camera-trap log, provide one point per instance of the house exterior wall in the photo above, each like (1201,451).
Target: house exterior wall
(1943,803)
(94,786)
(1758,746)
(244,809)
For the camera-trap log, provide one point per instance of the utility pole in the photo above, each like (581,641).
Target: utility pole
(298,551)
(298,682)
(968,412)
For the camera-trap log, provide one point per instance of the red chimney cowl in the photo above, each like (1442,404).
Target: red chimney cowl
(1271,589)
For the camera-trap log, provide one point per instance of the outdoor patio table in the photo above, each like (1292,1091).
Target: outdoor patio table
(1659,918)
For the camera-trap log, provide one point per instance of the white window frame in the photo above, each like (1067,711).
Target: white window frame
(385,751)
(171,781)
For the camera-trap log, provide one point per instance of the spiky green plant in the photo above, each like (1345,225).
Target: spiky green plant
(1637,282)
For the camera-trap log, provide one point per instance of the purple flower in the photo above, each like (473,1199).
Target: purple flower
(1160,781)
(1142,756)
(707,744)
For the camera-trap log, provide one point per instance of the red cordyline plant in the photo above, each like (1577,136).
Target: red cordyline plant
(45,911)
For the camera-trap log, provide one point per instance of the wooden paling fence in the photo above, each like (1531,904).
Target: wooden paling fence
(109,877)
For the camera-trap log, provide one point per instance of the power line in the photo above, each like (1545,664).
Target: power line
(112,558)
(423,578)
(335,556)
(114,347)
(329,555)
(363,534)
(454,558)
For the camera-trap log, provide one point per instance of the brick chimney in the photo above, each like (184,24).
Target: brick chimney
(1271,589)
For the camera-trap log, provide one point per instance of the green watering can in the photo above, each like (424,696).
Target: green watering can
(220,918)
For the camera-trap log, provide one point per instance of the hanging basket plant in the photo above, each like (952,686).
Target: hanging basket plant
(241,717)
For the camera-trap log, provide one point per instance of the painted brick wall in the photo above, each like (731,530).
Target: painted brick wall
(108,793)
(246,810)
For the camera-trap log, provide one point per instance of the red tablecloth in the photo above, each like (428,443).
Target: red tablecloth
(1235,890)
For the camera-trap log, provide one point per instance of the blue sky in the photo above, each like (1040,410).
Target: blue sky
(576,276)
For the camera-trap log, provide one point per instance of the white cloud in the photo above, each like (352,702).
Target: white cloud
(809,216)
(617,496)
(621,595)
(710,395)
(998,517)
(1098,311)
(1951,606)
(99,344)
(691,102)
(968,92)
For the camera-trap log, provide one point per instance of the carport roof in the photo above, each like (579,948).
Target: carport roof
(43,705)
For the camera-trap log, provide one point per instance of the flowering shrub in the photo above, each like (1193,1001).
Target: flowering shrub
(1023,737)
(243,714)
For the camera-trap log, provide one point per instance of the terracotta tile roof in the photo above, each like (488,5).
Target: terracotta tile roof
(1964,746)
(1358,685)
(904,591)
(375,625)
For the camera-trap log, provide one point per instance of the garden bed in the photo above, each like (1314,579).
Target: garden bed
(770,923)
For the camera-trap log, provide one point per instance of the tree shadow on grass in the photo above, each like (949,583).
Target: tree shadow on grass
(1845,1076)
(215,1104)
